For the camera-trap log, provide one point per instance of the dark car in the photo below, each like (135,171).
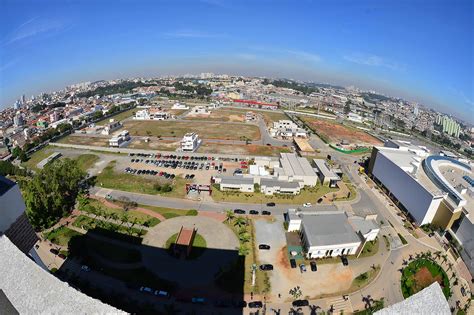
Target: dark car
(313,266)
(344,260)
(265,212)
(299,303)
(263,246)
(266,267)
(62,256)
(253,212)
(54,251)
(271,204)
(239,211)
(293,263)
(256,304)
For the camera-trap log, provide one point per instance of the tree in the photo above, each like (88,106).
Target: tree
(240,222)
(51,194)
(243,250)
(229,216)
(296,293)
(347,107)
(244,238)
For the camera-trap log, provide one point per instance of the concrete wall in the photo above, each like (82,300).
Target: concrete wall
(320,251)
(414,197)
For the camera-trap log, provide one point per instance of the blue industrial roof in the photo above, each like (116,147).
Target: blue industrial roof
(5,185)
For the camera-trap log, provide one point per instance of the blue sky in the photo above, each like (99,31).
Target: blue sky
(419,50)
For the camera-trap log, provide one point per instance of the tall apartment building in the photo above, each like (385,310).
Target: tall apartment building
(190,142)
(449,125)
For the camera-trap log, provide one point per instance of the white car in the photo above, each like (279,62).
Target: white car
(307,205)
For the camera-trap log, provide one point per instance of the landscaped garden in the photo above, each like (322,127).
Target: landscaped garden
(420,274)
(61,235)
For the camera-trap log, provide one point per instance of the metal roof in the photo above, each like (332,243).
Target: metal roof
(325,228)
(324,169)
(5,185)
(296,166)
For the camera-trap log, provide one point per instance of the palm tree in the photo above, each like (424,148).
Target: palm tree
(240,222)
(124,218)
(244,238)
(114,216)
(437,254)
(445,258)
(450,266)
(314,309)
(229,216)
(243,250)
(141,232)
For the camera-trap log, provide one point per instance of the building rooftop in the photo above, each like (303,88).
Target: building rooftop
(32,290)
(5,185)
(329,228)
(362,225)
(322,166)
(296,166)
(236,180)
(430,300)
(303,145)
(270,182)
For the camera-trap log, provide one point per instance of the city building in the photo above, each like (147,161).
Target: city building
(235,183)
(147,114)
(120,140)
(270,186)
(52,157)
(303,147)
(331,233)
(295,168)
(326,175)
(111,127)
(190,142)
(287,129)
(199,110)
(449,125)
(179,106)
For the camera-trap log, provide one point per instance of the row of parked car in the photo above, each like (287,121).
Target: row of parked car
(149,172)
(189,165)
(252,212)
(184,157)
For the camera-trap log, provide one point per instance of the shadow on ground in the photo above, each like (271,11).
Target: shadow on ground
(212,282)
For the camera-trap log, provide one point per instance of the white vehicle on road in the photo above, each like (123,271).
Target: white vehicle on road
(307,205)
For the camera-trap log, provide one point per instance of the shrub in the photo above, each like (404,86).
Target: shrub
(192,212)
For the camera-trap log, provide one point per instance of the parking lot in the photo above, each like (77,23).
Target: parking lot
(328,279)
(199,169)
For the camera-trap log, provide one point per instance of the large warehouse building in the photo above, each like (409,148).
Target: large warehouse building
(433,189)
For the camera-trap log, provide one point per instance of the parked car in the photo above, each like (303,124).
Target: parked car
(198,300)
(307,205)
(344,260)
(293,263)
(85,268)
(255,304)
(108,197)
(255,212)
(161,293)
(263,246)
(271,204)
(239,211)
(313,266)
(265,212)
(146,289)
(54,251)
(266,267)
(300,303)
(302,268)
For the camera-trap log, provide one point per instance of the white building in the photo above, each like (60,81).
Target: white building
(146,114)
(235,183)
(199,110)
(287,129)
(190,142)
(120,140)
(270,186)
(179,106)
(326,175)
(295,168)
(111,127)
(355,117)
(331,233)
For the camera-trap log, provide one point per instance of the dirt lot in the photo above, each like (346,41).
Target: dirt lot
(154,145)
(423,279)
(270,116)
(229,115)
(85,140)
(251,149)
(335,132)
(209,130)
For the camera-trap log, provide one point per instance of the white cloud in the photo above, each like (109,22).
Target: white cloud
(34,27)
(191,34)
(373,60)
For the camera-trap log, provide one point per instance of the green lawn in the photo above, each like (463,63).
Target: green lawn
(169,213)
(141,218)
(364,278)
(88,223)
(420,274)
(199,241)
(308,194)
(61,235)
(37,157)
(86,161)
(109,178)
(118,117)
(370,248)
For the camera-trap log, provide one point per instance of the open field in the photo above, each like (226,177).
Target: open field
(229,115)
(333,132)
(118,117)
(209,130)
(160,145)
(308,194)
(111,178)
(86,161)
(270,116)
(250,149)
(37,157)
(85,140)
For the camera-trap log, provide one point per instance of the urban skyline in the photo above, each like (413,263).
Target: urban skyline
(311,48)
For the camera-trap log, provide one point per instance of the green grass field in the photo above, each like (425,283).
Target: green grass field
(209,130)
(61,235)
(86,161)
(109,178)
(199,241)
(118,117)
(37,157)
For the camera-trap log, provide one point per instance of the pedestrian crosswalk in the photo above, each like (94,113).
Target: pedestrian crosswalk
(340,304)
